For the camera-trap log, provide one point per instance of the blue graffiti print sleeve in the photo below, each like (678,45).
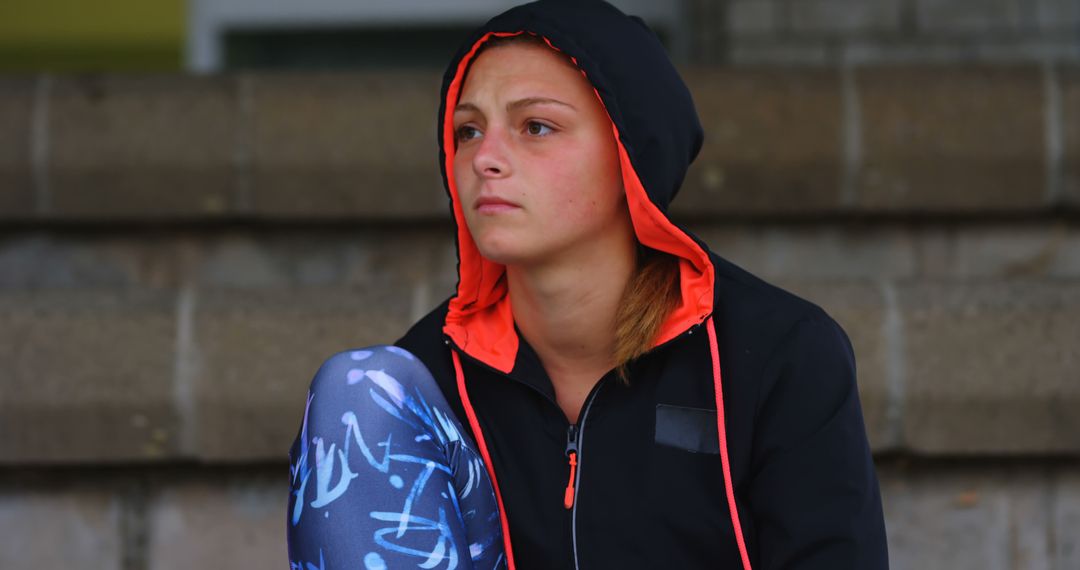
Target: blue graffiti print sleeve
(383,475)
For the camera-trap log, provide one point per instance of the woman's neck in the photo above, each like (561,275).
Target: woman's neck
(566,308)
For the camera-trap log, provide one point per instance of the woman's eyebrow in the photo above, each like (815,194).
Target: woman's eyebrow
(518,104)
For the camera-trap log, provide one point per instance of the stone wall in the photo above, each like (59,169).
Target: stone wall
(179,254)
(977,514)
(824,32)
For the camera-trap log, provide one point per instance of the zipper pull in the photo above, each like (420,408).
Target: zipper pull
(571,452)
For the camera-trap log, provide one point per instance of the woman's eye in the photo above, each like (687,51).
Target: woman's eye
(462,133)
(532,131)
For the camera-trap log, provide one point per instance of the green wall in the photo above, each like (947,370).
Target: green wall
(103,35)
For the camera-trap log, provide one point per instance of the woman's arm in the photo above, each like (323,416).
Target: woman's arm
(814,491)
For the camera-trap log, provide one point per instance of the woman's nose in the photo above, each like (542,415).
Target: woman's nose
(491,158)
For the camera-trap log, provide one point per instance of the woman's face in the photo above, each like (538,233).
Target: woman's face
(531,131)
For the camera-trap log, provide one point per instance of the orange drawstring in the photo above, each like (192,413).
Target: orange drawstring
(718,387)
(474,423)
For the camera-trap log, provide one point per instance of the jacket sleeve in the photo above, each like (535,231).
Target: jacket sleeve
(813,489)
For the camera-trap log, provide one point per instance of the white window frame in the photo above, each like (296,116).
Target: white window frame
(210,20)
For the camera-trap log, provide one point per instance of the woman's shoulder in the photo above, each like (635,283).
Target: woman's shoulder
(759,309)
(427,327)
(425,339)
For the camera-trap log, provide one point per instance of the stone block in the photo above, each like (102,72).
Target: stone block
(202,374)
(1070,125)
(887,251)
(301,258)
(951,139)
(141,147)
(225,522)
(268,311)
(751,17)
(38,260)
(1065,539)
(64,528)
(773,143)
(1006,251)
(887,51)
(854,17)
(816,252)
(978,50)
(87,376)
(782,51)
(989,517)
(16,142)
(1054,15)
(255,351)
(991,367)
(968,16)
(346,145)
(1034,49)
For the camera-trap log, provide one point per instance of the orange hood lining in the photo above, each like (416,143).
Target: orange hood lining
(479,319)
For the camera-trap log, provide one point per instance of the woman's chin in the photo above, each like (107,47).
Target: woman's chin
(505,258)
(506,254)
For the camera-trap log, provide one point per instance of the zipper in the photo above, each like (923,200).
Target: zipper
(571,453)
(575,439)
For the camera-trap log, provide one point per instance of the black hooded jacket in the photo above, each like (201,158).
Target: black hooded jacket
(739,442)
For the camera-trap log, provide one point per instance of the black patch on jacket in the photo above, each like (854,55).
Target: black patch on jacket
(692,429)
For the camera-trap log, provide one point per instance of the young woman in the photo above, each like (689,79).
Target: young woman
(601,390)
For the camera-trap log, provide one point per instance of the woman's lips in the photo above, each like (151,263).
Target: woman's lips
(494,206)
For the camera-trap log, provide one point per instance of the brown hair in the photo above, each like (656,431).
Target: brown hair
(652,291)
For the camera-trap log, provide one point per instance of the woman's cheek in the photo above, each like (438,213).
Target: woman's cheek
(584,196)
(561,193)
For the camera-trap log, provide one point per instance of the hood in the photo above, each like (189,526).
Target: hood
(658,133)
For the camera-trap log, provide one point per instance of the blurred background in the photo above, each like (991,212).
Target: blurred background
(201,200)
